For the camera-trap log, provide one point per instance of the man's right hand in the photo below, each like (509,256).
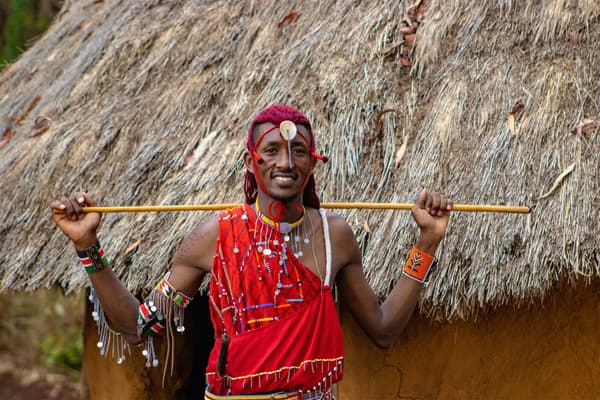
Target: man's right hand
(77,225)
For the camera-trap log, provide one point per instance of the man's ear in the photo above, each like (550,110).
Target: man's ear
(248,162)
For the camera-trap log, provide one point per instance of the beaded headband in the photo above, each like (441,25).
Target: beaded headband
(276,114)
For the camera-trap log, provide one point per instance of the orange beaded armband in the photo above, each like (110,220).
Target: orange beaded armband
(418,265)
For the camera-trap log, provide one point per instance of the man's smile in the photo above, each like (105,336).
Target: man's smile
(284,181)
(284,176)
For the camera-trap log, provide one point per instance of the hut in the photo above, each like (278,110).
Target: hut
(489,101)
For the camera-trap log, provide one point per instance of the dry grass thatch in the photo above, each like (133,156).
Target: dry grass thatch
(148,102)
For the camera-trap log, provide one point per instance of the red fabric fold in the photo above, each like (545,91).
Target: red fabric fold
(302,352)
(275,345)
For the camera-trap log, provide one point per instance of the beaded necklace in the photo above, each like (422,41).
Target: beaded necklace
(293,234)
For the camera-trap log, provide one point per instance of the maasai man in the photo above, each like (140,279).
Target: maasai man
(273,262)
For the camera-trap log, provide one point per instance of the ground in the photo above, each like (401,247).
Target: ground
(40,345)
(22,383)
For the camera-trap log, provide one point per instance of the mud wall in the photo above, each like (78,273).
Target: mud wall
(131,380)
(550,349)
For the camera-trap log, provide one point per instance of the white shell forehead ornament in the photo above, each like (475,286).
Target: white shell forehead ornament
(288,131)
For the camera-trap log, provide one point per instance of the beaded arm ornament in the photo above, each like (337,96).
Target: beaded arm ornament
(419,265)
(93,260)
(163,304)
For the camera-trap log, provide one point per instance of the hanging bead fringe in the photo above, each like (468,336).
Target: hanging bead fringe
(109,341)
(164,304)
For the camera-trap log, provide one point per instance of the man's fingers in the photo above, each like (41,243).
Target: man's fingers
(89,202)
(80,198)
(446,204)
(58,209)
(429,202)
(67,207)
(443,206)
(72,208)
(436,202)
(420,203)
(77,203)
(57,205)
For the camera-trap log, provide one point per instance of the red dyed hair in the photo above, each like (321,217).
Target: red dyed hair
(276,114)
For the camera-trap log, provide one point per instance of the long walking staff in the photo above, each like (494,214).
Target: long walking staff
(369,206)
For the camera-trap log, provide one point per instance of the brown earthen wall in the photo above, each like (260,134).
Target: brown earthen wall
(131,380)
(549,350)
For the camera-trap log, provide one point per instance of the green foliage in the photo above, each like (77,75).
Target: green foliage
(13,30)
(23,21)
(62,351)
(43,329)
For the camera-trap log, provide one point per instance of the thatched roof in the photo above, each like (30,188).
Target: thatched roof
(148,103)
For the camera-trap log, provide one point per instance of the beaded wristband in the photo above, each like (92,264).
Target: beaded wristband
(165,304)
(150,320)
(93,258)
(419,265)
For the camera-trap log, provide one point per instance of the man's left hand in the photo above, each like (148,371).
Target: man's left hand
(431,212)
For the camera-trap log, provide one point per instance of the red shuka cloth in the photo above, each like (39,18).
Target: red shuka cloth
(275,344)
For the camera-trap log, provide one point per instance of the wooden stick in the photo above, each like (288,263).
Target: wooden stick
(370,206)
(455,207)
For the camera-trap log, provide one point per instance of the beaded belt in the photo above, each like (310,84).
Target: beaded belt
(271,396)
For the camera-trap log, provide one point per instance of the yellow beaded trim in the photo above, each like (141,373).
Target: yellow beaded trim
(280,370)
(272,396)
(266,319)
(269,221)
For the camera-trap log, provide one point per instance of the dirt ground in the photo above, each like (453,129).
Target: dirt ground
(20,383)
(13,388)
(37,332)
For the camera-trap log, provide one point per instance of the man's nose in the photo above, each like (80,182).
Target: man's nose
(285,159)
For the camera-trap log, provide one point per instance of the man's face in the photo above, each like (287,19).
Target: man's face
(283,181)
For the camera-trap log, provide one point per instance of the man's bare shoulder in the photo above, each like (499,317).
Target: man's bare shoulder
(338,227)
(198,247)
(345,250)
(207,230)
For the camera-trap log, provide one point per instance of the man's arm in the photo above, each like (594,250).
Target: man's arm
(120,307)
(383,323)
(194,257)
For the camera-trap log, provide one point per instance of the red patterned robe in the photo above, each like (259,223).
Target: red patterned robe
(281,319)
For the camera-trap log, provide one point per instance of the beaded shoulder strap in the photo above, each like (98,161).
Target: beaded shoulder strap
(327,246)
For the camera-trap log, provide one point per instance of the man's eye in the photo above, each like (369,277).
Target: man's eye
(300,151)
